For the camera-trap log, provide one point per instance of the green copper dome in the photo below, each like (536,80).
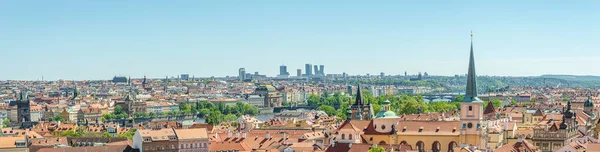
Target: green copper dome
(386,114)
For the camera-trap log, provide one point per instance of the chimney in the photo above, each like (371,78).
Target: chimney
(333,144)
(505,125)
(268,136)
(229,134)
(237,135)
(350,145)
(284,135)
(244,135)
(520,139)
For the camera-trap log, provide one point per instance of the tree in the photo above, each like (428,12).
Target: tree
(441,106)
(185,107)
(70,133)
(118,110)
(513,102)
(376,149)
(314,100)
(6,123)
(129,134)
(140,114)
(214,117)
(230,117)
(458,98)
(328,109)
(341,113)
(497,103)
(376,108)
(410,105)
(57,118)
(106,134)
(204,112)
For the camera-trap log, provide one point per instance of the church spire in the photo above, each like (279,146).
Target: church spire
(471,92)
(359,99)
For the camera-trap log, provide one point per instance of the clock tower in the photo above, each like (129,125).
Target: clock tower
(471,111)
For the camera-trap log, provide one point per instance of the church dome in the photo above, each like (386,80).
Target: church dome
(386,114)
(588,102)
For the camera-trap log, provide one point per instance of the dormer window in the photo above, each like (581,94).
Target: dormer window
(470,108)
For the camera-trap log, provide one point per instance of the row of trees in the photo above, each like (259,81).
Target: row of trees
(403,104)
(80,133)
(215,114)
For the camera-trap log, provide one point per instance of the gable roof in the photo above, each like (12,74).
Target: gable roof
(489,108)
(538,112)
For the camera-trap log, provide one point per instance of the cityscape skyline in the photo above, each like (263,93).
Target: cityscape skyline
(95,40)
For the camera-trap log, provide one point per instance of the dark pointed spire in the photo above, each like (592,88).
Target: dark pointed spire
(144,82)
(471,92)
(75,93)
(359,99)
(419,110)
(568,112)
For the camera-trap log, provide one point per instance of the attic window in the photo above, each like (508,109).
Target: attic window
(437,129)
(421,129)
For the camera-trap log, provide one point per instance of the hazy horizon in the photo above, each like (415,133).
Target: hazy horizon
(73,40)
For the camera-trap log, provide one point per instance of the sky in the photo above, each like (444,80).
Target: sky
(76,40)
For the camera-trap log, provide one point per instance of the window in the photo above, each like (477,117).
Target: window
(350,136)
(382,126)
(420,146)
(470,125)
(478,126)
(464,126)
(343,136)
(470,108)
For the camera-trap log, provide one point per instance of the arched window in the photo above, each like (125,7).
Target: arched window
(436,146)
(343,136)
(421,146)
(382,143)
(403,143)
(350,136)
(451,146)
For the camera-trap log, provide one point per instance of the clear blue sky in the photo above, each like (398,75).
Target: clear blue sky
(97,40)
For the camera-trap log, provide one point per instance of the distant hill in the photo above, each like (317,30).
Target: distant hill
(573,77)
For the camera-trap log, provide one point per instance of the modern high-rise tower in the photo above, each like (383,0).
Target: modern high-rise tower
(322,69)
(242,74)
(308,69)
(299,72)
(283,70)
(316,70)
